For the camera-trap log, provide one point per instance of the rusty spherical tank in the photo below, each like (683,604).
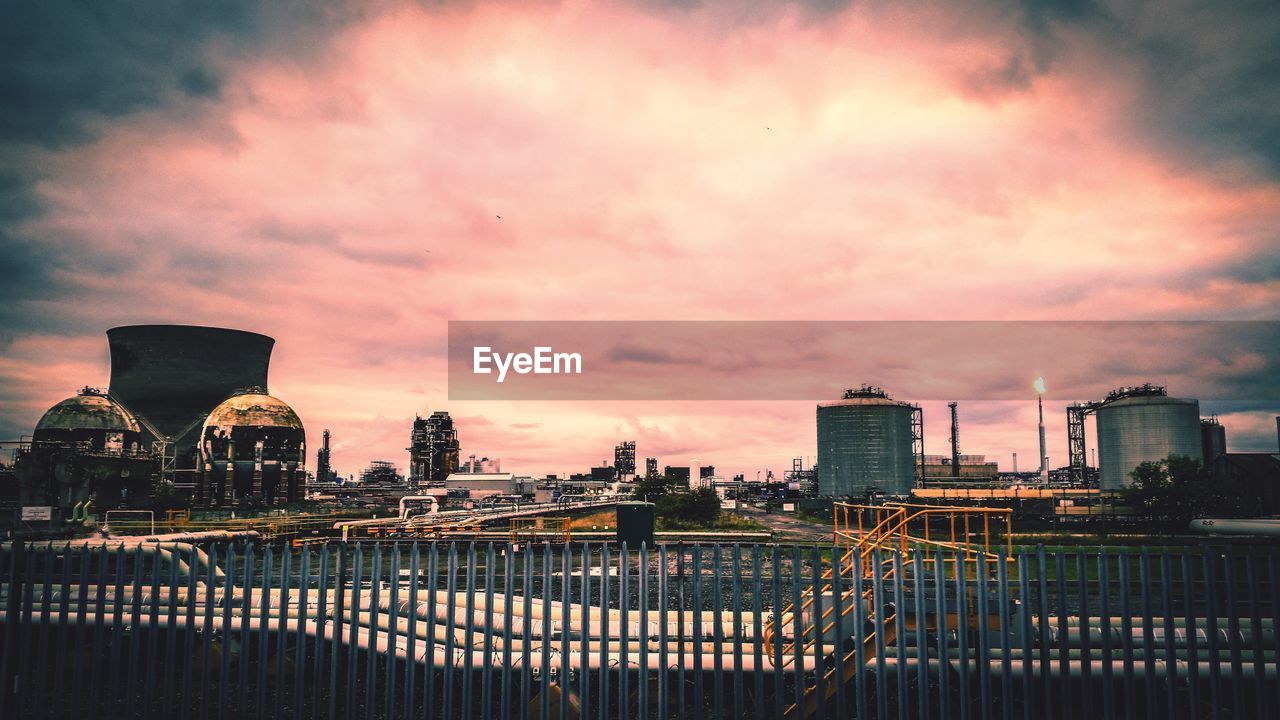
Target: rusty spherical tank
(252,447)
(87,446)
(90,410)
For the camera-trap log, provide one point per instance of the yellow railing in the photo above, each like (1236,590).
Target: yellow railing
(537,528)
(867,528)
(870,530)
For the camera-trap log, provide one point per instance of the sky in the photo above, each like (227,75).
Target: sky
(348,177)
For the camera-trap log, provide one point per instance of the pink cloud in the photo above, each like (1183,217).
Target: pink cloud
(881,163)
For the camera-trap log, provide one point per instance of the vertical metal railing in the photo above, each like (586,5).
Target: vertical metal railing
(539,630)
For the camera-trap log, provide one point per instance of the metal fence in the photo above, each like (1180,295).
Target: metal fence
(588,630)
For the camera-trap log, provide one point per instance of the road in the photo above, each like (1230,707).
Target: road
(787,526)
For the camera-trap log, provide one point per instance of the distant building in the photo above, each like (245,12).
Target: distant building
(381,472)
(624,458)
(973,468)
(483,465)
(651,465)
(433,449)
(603,473)
(1259,477)
(803,481)
(676,474)
(1213,440)
(706,472)
(324,471)
(480,484)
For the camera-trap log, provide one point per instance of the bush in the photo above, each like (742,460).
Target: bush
(700,506)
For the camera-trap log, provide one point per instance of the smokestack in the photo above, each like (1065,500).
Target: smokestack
(955,441)
(1044,456)
(1015,463)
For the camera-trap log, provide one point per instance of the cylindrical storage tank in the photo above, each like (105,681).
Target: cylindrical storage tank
(1137,429)
(865,443)
(636,524)
(1213,440)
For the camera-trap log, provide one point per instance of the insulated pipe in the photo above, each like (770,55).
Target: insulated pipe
(371,640)
(404,508)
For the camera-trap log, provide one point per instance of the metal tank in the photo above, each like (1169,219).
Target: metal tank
(171,376)
(1213,440)
(1136,425)
(86,447)
(865,442)
(253,451)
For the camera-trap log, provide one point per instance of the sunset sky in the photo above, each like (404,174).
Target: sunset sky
(348,177)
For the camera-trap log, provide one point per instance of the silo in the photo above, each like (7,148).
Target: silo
(865,442)
(1213,440)
(171,376)
(1136,425)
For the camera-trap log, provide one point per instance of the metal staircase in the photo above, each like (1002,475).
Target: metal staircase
(872,536)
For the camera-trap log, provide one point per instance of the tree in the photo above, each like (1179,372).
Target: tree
(650,489)
(699,506)
(1179,489)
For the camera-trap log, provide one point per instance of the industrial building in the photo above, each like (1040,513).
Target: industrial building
(252,451)
(433,449)
(624,458)
(482,484)
(651,466)
(678,474)
(483,465)
(156,422)
(868,441)
(944,469)
(324,468)
(381,472)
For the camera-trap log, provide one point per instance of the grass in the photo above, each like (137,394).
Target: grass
(723,521)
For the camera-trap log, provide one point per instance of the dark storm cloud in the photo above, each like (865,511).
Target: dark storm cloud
(69,69)
(1210,71)
(65,66)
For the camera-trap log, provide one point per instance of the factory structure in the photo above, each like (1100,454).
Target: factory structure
(186,406)
(870,443)
(433,450)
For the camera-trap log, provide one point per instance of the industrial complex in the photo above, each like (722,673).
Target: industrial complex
(187,423)
(170,519)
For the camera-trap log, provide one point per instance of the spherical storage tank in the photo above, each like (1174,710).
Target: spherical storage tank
(1145,425)
(252,445)
(90,417)
(85,447)
(865,442)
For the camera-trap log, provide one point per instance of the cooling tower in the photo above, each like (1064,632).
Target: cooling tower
(172,376)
